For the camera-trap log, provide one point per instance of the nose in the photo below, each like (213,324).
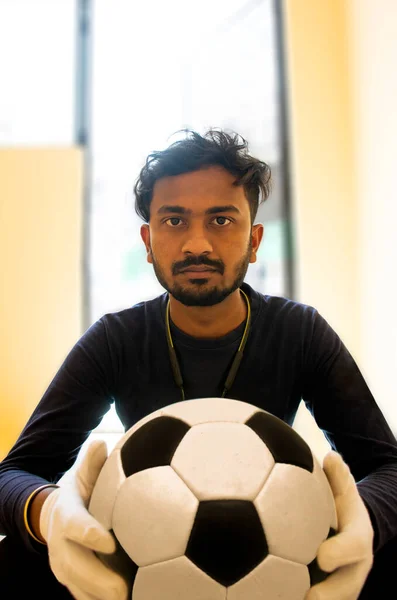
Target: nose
(196,242)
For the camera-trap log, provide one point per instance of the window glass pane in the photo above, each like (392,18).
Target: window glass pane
(37,72)
(159,67)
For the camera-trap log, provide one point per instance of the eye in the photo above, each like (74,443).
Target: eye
(222,221)
(173,221)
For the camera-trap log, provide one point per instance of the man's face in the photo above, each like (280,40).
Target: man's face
(199,238)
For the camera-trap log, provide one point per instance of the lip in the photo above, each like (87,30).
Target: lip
(198,270)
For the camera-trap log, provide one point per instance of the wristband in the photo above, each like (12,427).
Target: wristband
(26,509)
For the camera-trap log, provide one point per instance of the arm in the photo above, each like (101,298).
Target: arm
(72,406)
(337,395)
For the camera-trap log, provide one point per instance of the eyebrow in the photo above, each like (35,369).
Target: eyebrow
(175,209)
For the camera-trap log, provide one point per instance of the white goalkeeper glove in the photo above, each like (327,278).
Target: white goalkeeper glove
(348,555)
(73,535)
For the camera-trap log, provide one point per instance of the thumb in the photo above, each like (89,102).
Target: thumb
(89,468)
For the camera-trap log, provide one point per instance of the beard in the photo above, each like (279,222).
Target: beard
(197,293)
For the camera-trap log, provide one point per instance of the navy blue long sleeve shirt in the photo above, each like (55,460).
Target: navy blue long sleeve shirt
(291,354)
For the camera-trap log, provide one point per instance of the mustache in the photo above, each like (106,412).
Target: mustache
(199,261)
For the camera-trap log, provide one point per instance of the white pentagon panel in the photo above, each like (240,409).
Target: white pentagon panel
(177,579)
(204,410)
(106,488)
(274,579)
(294,513)
(223,460)
(321,477)
(153,515)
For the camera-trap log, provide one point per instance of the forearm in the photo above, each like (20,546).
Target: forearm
(34,511)
(15,488)
(379,492)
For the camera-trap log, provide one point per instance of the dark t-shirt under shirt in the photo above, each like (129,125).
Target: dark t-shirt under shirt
(291,354)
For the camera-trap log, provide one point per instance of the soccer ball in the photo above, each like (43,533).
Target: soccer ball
(214,499)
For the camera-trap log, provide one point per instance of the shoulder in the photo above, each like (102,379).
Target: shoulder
(296,324)
(134,319)
(282,309)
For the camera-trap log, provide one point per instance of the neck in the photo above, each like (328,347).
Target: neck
(209,321)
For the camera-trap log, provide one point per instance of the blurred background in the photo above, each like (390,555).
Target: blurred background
(88,88)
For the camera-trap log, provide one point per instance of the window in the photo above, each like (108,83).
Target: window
(37,72)
(159,67)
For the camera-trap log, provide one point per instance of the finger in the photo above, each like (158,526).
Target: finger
(337,472)
(342,549)
(351,511)
(79,594)
(86,573)
(90,466)
(344,584)
(85,530)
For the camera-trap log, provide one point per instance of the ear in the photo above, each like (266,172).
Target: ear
(256,235)
(145,235)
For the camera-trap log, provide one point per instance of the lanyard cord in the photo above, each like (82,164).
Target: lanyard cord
(236,361)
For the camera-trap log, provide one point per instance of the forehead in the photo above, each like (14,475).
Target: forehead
(198,189)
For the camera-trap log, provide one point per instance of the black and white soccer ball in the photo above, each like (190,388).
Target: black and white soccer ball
(214,499)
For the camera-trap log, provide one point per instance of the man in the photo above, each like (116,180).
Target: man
(199,199)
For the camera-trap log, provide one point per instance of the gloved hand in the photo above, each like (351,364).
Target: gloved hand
(73,535)
(348,554)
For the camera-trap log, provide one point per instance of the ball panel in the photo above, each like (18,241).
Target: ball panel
(285,444)
(176,579)
(153,515)
(131,430)
(161,412)
(294,514)
(227,540)
(274,579)
(106,488)
(207,410)
(152,445)
(222,460)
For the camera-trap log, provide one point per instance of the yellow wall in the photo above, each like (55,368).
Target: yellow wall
(373,37)
(322,171)
(41,279)
(342,96)
(321,147)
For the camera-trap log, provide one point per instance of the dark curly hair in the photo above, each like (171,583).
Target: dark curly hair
(215,147)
